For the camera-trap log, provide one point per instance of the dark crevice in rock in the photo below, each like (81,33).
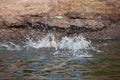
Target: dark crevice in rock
(17,26)
(95,16)
(60,25)
(92,27)
(45,27)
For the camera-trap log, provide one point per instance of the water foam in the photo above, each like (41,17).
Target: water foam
(76,46)
(10,46)
(72,43)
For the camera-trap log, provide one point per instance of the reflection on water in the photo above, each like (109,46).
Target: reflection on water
(40,63)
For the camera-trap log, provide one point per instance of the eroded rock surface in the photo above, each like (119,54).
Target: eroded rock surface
(86,17)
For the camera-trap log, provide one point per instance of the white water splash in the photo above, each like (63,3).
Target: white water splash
(45,42)
(76,46)
(10,46)
(72,43)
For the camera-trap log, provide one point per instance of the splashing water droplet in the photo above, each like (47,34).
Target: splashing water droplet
(10,46)
(76,46)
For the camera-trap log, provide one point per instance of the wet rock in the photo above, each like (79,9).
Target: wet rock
(61,23)
(110,17)
(44,22)
(110,32)
(89,24)
(10,34)
(60,15)
(114,17)
(1,22)
(93,24)
(100,26)
(77,22)
(73,15)
(77,15)
(10,21)
(47,23)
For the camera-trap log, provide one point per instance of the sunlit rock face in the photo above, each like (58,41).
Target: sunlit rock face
(58,7)
(80,9)
(92,17)
(25,6)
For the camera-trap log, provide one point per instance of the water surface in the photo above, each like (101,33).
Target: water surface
(66,58)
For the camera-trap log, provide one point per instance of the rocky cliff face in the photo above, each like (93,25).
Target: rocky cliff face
(98,19)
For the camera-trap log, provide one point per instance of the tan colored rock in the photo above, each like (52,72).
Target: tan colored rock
(62,23)
(78,15)
(58,7)
(78,23)
(12,20)
(1,22)
(93,24)
(90,14)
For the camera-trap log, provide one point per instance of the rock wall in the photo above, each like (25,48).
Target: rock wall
(98,19)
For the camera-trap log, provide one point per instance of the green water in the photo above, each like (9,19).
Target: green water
(34,64)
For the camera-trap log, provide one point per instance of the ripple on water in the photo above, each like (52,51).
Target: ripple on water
(55,75)
(75,74)
(48,57)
